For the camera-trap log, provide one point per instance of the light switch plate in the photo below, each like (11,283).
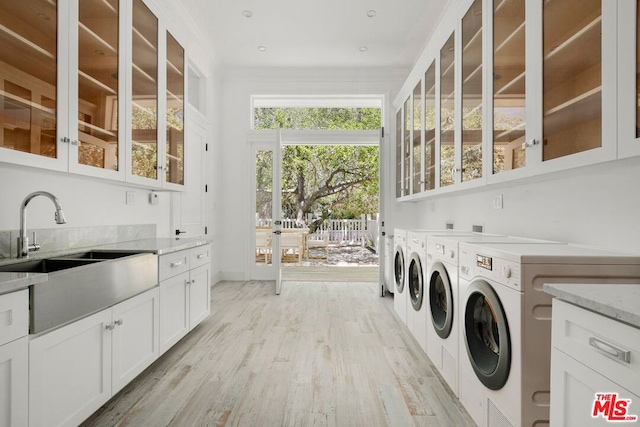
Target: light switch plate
(497,202)
(131,197)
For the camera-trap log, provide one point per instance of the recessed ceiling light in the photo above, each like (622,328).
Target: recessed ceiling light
(371,13)
(247,13)
(262,48)
(363,48)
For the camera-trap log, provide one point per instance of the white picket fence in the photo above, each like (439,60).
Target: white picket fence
(340,231)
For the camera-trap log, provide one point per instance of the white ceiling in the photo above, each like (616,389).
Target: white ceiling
(316,33)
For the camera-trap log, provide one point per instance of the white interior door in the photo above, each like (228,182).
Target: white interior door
(188,208)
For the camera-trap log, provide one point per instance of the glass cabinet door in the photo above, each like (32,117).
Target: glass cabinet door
(472,92)
(572,77)
(406,155)
(144,103)
(416,151)
(28,76)
(98,83)
(430,128)
(175,112)
(399,153)
(447,113)
(508,85)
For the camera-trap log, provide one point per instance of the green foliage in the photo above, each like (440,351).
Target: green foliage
(318,118)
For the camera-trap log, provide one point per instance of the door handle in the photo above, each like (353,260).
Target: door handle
(179,232)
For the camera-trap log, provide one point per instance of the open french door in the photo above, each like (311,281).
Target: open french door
(266,157)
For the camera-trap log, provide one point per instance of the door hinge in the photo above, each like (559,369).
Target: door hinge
(383,131)
(206,229)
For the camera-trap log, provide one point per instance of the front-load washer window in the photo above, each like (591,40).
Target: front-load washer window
(398,269)
(487,335)
(415,277)
(441,300)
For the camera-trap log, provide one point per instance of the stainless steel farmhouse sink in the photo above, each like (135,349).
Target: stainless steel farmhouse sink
(84,283)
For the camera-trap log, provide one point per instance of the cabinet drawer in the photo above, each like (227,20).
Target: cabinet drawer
(200,255)
(14,316)
(610,347)
(173,264)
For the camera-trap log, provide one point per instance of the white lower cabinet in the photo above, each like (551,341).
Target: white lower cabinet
(594,367)
(75,369)
(185,293)
(14,356)
(14,379)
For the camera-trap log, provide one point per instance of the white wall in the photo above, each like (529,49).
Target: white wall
(85,201)
(232,207)
(595,205)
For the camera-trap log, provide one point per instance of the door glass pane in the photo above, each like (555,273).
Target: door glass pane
(508,85)
(407,145)
(447,112)
(572,86)
(417,138)
(264,206)
(430,128)
(28,76)
(472,92)
(98,83)
(175,111)
(399,153)
(144,122)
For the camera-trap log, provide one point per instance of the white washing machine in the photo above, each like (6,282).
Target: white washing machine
(505,319)
(414,284)
(441,288)
(416,279)
(399,252)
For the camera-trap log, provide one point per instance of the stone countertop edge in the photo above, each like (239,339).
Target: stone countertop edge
(617,301)
(10,282)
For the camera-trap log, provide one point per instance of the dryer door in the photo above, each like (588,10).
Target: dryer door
(441,300)
(487,335)
(398,268)
(415,281)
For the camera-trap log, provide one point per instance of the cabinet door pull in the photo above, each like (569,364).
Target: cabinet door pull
(110,327)
(119,322)
(175,264)
(610,350)
(200,256)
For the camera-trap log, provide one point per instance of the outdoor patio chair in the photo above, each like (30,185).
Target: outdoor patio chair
(317,241)
(293,242)
(263,245)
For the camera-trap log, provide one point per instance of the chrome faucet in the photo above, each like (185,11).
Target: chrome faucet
(23,241)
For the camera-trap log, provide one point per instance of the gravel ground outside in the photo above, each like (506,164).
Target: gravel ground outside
(345,256)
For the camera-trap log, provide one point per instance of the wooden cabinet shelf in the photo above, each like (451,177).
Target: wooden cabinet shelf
(580,109)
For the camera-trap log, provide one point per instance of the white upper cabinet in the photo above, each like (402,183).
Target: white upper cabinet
(628,78)
(522,88)
(65,69)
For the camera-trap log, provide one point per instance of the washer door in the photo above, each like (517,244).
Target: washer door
(487,335)
(398,268)
(441,300)
(416,280)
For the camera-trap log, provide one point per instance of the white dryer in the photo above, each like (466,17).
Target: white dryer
(399,294)
(505,320)
(441,289)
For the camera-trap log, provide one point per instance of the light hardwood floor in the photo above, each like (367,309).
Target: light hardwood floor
(319,354)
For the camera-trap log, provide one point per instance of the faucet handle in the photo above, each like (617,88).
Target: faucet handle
(34,246)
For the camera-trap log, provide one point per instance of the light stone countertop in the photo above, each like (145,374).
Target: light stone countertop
(617,301)
(10,282)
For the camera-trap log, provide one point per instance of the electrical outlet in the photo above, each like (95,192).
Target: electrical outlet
(131,197)
(497,201)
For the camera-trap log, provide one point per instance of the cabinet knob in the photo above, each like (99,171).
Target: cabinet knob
(119,322)
(110,327)
(530,143)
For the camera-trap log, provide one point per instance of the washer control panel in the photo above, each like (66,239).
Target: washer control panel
(477,264)
(442,250)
